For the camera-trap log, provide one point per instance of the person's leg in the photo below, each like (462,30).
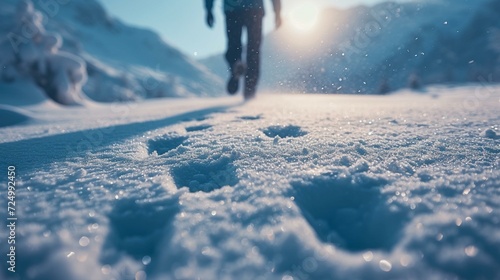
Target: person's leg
(253,22)
(234,28)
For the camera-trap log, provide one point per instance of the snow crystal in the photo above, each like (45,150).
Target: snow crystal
(385,265)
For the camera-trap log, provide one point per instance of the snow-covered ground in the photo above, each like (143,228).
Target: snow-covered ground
(285,187)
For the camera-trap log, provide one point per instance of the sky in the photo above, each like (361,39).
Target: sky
(181,23)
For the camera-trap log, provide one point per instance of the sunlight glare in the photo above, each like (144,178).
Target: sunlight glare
(303,17)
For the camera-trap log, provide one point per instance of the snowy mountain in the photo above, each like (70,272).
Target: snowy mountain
(385,47)
(112,60)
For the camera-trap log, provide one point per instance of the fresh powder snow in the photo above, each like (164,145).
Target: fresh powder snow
(402,186)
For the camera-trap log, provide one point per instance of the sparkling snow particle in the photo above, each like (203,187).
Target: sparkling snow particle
(205,251)
(146,260)
(385,265)
(405,260)
(105,269)
(84,241)
(368,256)
(439,237)
(140,275)
(471,251)
(81,173)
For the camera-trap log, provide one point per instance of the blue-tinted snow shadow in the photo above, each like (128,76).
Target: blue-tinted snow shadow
(137,229)
(38,152)
(350,212)
(10,116)
(284,131)
(164,144)
(198,127)
(205,175)
(438,253)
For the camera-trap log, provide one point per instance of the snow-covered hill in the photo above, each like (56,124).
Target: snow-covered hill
(384,47)
(403,186)
(115,61)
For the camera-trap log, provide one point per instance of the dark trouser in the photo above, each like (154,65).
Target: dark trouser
(252,20)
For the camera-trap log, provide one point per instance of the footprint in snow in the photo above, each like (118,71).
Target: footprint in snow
(197,119)
(284,131)
(251,118)
(350,212)
(205,175)
(165,143)
(198,127)
(138,227)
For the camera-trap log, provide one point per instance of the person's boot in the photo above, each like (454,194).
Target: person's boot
(249,95)
(237,71)
(250,90)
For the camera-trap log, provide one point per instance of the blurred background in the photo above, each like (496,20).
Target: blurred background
(115,50)
(168,18)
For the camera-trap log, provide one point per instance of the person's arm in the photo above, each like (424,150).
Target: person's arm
(277,12)
(209,5)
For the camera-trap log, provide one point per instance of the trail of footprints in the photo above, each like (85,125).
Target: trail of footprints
(346,212)
(210,174)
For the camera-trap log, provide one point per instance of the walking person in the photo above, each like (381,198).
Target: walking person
(243,14)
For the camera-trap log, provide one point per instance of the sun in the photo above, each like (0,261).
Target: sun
(304,16)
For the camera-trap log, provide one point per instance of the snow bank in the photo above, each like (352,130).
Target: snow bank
(12,116)
(22,93)
(29,51)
